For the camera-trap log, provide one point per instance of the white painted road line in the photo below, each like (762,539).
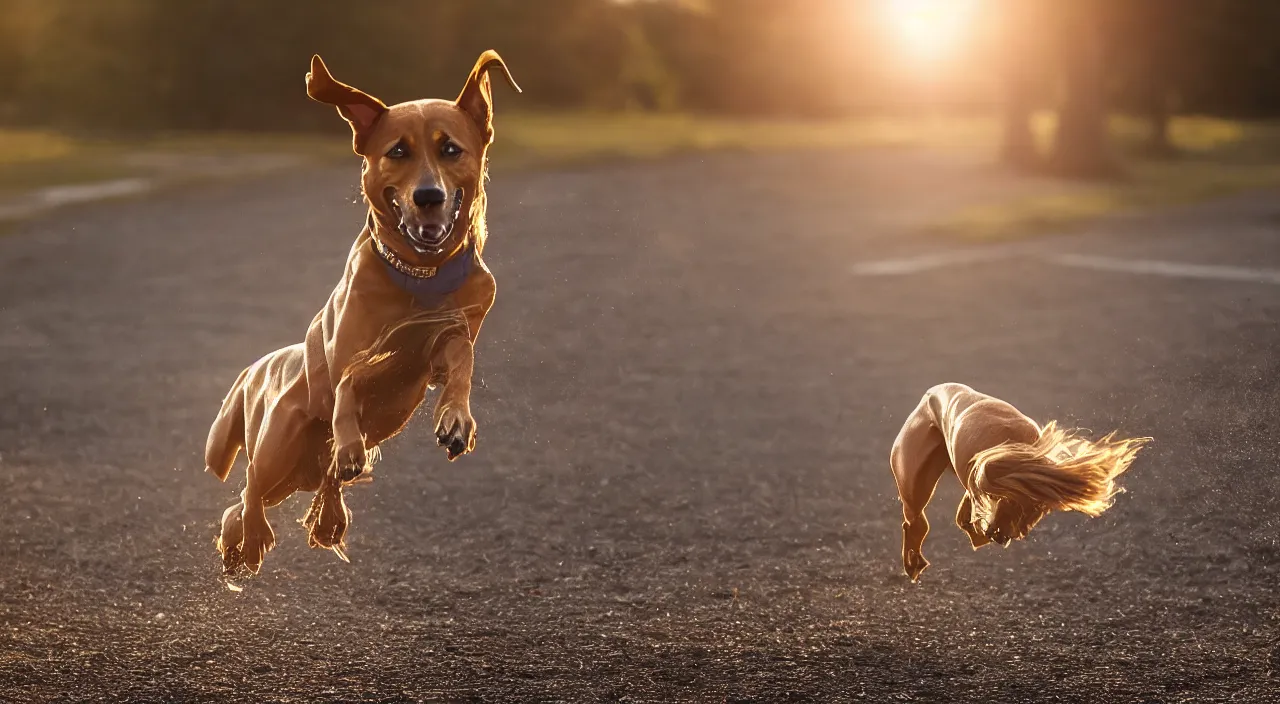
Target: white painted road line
(1164,268)
(928,262)
(44,199)
(1144,267)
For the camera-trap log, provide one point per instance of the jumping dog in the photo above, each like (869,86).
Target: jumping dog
(403,318)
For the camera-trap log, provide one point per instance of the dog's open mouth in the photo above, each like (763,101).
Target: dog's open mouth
(430,238)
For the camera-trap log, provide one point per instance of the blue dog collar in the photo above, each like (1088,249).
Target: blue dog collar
(428,285)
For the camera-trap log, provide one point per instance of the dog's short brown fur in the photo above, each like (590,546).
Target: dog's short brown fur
(1014,471)
(311,415)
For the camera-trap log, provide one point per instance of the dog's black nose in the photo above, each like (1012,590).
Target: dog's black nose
(424,197)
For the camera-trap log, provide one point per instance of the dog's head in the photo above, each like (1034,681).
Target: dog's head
(1010,520)
(424,161)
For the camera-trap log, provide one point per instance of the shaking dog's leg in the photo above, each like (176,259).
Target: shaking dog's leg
(455,427)
(919,459)
(964,519)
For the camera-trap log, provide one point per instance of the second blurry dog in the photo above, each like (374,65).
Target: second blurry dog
(1013,470)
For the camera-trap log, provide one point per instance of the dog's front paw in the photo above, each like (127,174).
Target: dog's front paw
(456,432)
(349,462)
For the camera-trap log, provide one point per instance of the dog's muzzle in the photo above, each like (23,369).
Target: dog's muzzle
(994,534)
(430,239)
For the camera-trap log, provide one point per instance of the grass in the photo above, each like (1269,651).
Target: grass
(541,139)
(1219,157)
(1216,158)
(35,158)
(32,159)
(1149,186)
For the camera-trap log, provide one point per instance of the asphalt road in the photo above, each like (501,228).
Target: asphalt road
(688,390)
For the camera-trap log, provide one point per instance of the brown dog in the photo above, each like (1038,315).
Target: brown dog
(1015,471)
(403,318)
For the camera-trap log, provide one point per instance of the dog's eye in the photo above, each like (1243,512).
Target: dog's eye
(450,150)
(398,152)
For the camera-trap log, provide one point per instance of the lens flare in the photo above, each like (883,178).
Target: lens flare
(929,28)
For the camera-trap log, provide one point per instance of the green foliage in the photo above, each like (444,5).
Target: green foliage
(1219,158)
(141,65)
(238,64)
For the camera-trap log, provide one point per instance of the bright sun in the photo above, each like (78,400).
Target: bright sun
(929,28)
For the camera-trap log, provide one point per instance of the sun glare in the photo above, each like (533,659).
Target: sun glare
(929,28)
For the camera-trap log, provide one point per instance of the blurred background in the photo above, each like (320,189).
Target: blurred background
(1050,87)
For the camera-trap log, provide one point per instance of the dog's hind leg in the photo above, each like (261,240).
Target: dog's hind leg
(231,538)
(272,465)
(226,436)
(919,459)
(258,537)
(964,519)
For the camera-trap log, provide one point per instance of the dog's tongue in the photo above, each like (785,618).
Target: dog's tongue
(432,234)
(425,238)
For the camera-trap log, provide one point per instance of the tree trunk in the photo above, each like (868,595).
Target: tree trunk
(1082,146)
(1161,145)
(1159,80)
(1018,144)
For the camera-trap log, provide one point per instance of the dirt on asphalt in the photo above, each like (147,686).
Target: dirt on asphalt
(680,491)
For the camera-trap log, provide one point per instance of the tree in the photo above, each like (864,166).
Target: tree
(1017,27)
(1156,45)
(1081,145)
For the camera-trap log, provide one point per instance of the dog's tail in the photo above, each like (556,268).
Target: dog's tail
(226,437)
(1059,471)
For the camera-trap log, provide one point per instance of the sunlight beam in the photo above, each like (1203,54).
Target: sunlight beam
(929,29)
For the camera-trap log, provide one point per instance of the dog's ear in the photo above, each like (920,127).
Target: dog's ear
(476,97)
(361,110)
